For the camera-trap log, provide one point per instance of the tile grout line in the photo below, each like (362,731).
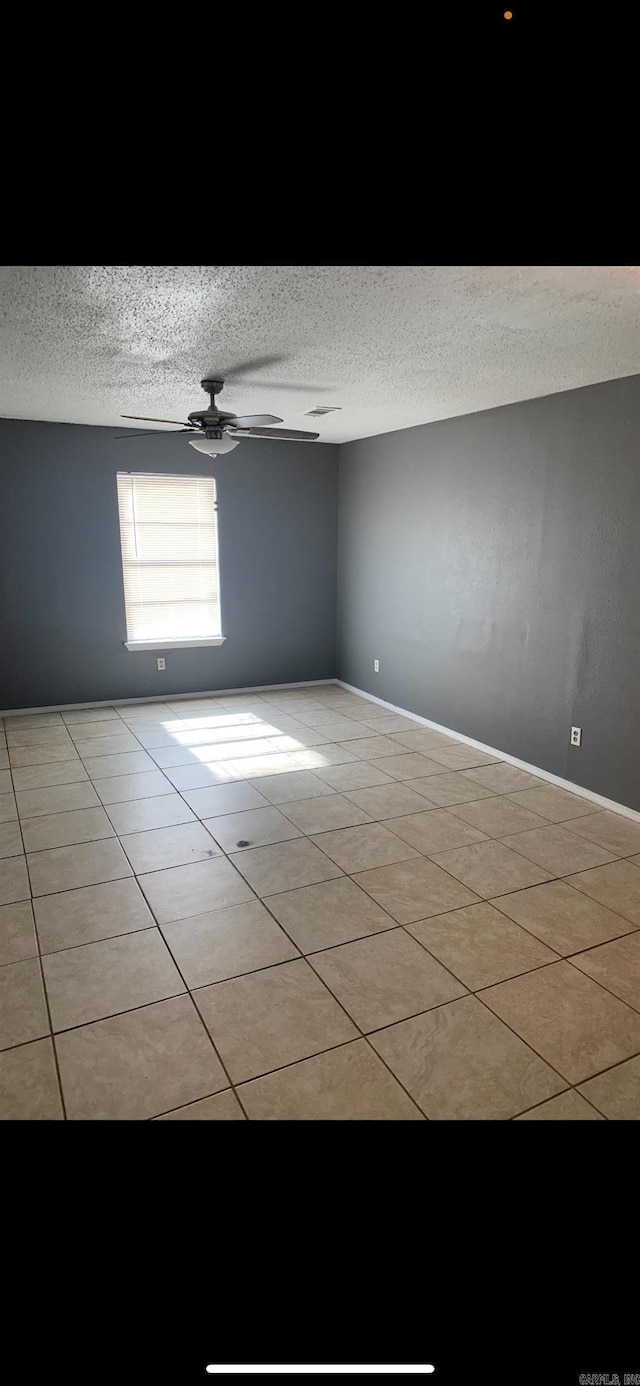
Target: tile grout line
(479,997)
(44,986)
(488,900)
(196,1101)
(535,1051)
(589,978)
(282,809)
(195,1007)
(156,926)
(331,1049)
(393,925)
(537,1105)
(186,919)
(302,958)
(327,988)
(560,957)
(588,1099)
(346,1013)
(539,968)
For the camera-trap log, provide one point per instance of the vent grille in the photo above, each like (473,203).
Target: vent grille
(322,409)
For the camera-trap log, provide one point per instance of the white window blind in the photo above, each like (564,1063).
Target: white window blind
(169,539)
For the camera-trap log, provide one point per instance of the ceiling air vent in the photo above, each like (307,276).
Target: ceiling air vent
(322,409)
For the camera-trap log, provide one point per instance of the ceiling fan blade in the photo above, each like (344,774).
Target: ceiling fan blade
(154,433)
(315,388)
(254,420)
(249,368)
(143,419)
(284,433)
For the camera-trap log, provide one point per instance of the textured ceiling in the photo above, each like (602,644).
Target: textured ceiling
(392,346)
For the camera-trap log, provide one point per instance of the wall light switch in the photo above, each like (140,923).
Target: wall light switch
(161,664)
(376,666)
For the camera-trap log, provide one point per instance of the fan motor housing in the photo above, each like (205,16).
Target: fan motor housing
(200,418)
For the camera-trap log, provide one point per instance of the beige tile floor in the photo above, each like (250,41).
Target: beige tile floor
(297,905)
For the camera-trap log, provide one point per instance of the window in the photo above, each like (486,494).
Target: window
(169,539)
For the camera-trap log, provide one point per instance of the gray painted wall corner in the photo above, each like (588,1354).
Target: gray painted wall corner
(492,564)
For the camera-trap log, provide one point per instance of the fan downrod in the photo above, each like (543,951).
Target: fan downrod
(212,387)
(211,417)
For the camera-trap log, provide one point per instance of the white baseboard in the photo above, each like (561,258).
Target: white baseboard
(163,698)
(492,751)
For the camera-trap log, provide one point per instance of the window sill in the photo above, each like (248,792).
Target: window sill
(173,644)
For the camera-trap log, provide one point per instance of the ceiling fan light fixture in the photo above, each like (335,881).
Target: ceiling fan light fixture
(215,447)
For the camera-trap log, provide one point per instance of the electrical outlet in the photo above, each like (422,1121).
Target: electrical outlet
(161,664)
(576,736)
(376,666)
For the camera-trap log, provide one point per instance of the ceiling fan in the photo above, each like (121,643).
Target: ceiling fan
(214,431)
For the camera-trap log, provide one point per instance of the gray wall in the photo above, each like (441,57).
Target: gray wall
(62,619)
(492,564)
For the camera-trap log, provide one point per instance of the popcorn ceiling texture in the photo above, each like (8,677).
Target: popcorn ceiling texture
(393,346)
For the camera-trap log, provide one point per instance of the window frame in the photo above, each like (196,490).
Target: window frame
(192,642)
